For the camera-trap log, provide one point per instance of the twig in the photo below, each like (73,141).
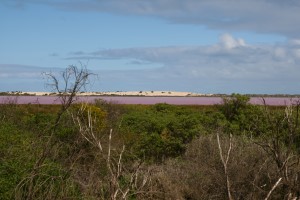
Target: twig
(273,188)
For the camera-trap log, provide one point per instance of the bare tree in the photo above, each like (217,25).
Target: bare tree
(68,84)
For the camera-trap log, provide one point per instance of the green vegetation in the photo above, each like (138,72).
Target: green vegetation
(110,151)
(162,130)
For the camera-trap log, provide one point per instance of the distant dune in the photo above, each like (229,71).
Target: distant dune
(145,94)
(121,93)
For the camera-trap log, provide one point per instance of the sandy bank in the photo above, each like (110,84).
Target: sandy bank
(123,93)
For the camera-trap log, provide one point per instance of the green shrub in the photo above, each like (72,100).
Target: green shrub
(15,157)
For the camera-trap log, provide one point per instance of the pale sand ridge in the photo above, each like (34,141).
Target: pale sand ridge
(124,93)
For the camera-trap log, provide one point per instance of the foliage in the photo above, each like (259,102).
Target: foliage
(242,117)
(162,130)
(199,174)
(233,106)
(173,149)
(83,110)
(15,154)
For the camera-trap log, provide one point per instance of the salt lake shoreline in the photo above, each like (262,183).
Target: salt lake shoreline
(117,93)
(144,94)
(145,100)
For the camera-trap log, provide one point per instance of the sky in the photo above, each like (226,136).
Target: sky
(204,46)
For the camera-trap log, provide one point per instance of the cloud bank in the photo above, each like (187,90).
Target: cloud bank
(231,58)
(231,63)
(262,16)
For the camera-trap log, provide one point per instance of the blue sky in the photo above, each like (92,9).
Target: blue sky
(215,46)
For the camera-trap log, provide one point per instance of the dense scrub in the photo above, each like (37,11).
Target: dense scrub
(109,151)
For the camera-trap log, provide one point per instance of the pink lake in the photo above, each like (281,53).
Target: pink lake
(274,101)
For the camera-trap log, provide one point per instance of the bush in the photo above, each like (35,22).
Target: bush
(199,174)
(161,130)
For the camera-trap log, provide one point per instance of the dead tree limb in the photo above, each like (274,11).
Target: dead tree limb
(273,188)
(225,160)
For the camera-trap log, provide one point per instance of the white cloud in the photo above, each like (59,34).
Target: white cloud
(15,71)
(230,65)
(18,71)
(280,53)
(263,16)
(230,59)
(229,42)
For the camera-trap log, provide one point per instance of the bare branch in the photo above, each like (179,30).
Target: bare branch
(225,163)
(273,188)
(114,163)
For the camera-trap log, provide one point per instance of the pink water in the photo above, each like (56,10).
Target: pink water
(144,100)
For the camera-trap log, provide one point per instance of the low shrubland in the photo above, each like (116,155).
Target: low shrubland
(110,151)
